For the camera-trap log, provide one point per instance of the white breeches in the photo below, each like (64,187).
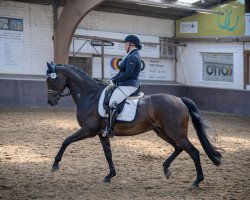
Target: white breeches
(121,93)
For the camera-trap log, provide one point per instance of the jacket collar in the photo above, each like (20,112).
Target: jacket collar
(130,53)
(133,51)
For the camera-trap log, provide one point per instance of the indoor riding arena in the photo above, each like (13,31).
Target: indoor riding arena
(181,56)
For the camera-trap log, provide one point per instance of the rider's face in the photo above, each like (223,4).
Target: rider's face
(127,46)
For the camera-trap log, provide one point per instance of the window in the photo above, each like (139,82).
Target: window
(218,67)
(166,49)
(83,63)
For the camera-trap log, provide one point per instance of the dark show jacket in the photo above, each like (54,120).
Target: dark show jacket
(129,70)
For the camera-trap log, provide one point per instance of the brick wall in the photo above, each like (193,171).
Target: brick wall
(123,23)
(37,36)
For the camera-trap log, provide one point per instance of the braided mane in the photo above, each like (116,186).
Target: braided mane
(85,76)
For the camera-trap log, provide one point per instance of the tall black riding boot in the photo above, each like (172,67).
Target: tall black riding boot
(112,118)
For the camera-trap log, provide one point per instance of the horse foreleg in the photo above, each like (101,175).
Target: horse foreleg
(108,154)
(79,135)
(170,159)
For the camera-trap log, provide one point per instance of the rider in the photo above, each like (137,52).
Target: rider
(126,81)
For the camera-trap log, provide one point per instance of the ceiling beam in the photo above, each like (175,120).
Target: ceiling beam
(165,5)
(168,41)
(142,11)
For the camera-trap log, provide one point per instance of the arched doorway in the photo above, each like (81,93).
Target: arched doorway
(72,14)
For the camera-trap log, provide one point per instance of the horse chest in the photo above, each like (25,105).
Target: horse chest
(86,118)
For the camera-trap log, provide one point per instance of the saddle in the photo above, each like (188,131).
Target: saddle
(136,95)
(127,109)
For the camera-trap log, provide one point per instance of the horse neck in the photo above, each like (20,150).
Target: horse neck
(80,86)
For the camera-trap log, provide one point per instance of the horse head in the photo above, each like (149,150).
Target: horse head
(56,83)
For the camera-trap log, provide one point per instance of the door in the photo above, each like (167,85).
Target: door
(247,69)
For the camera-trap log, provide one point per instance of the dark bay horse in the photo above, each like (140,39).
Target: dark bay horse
(167,115)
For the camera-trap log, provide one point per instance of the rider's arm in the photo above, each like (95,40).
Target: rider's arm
(121,68)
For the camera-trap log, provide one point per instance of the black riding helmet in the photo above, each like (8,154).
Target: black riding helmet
(134,39)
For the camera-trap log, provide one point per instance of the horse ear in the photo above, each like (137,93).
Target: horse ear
(50,69)
(49,65)
(52,63)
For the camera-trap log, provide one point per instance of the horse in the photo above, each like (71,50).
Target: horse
(165,114)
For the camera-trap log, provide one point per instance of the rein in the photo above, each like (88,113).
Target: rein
(68,93)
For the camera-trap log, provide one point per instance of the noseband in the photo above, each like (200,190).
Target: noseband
(59,95)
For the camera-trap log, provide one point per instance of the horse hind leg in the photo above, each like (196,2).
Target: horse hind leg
(180,144)
(169,160)
(187,146)
(172,157)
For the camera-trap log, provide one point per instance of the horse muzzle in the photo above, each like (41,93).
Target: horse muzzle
(53,104)
(54,101)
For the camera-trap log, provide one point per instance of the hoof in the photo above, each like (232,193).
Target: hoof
(106,180)
(168,174)
(55,168)
(194,186)
(197,182)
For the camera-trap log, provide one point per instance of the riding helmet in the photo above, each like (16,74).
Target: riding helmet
(135,40)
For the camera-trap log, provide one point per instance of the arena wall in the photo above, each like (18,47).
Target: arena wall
(27,93)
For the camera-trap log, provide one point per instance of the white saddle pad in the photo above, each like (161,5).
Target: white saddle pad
(129,111)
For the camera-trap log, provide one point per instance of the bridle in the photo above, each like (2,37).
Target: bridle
(54,92)
(59,94)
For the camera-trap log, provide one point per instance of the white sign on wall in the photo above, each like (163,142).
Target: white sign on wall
(152,69)
(11,43)
(188,27)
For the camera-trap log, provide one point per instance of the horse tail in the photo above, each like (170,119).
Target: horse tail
(200,127)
